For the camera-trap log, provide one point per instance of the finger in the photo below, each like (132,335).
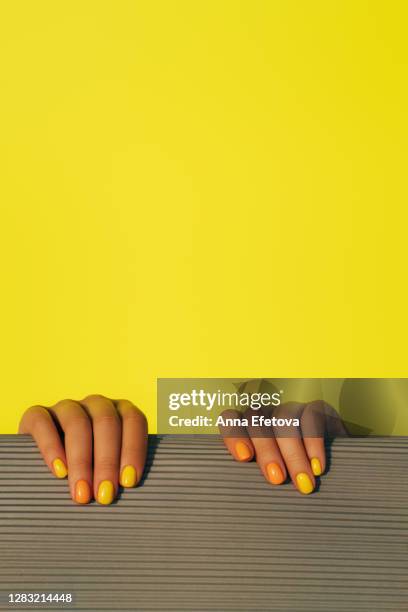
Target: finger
(134,443)
(313,428)
(37,422)
(235,436)
(267,452)
(107,431)
(297,463)
(78,447)
(292,448)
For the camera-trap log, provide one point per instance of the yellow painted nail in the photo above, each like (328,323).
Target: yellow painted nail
(243,451)
(106,492)
(128,477)
(316,466)
(304,483)
(60,469)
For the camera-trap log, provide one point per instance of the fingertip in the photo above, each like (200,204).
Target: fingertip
(128,477)
(304,483)
(315,450)
(83,492)
(106,493)
(316,466)
(243,451)
(275,473)
(59,468)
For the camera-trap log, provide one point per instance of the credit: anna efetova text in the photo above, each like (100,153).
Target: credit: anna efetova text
(255,420)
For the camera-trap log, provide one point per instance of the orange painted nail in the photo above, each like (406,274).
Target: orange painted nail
(243,451)
(82,492)
(275,473)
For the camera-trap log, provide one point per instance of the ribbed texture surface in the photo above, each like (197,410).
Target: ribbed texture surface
(205,533)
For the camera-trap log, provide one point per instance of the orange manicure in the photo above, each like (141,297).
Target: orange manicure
(275,473)
(82,492)
(243,451)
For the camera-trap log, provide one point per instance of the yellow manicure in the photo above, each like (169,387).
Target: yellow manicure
(106,492)
(128,477)
(60,469)
(242,450)
(316,466)
(304,483)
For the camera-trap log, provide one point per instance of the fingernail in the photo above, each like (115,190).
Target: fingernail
(242,450)
(82,492)
(316,466)
(304,483)
(106,492)
(60,469)
(128,477)
(275,473)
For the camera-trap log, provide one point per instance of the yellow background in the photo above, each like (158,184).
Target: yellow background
(199,189)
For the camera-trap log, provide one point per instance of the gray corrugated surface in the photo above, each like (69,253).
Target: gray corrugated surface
(205,533)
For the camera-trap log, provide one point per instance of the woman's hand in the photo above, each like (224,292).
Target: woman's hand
(285,449)
(97,442)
